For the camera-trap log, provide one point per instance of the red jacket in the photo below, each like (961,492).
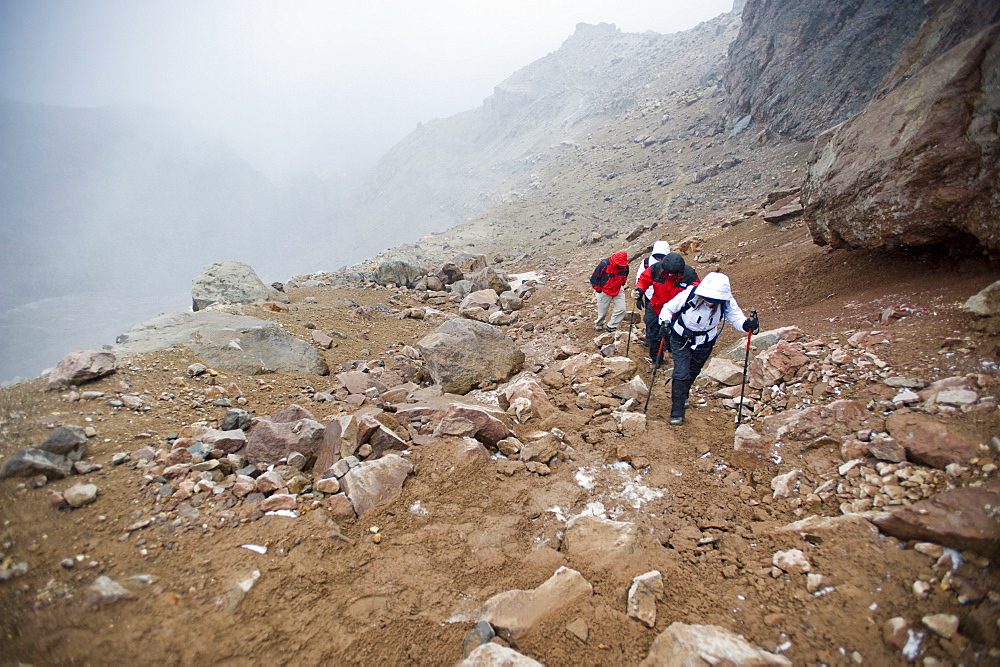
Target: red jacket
(610,275)
(665,285)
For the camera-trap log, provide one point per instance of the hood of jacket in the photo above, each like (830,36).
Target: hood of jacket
(619,258)
(660,248)
(714,286)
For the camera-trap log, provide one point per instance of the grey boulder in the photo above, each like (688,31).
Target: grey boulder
(234,342)
(230,282)
(462,353)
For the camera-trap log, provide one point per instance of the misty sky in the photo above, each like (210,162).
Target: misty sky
(298,84)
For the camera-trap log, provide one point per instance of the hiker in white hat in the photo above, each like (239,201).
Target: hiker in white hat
(691,320)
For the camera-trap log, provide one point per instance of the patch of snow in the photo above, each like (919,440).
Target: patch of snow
(585,478)
(558,513)
(418,509)
(912,648)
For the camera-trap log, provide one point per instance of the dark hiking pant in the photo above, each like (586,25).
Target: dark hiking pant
(687,364)
(652,321)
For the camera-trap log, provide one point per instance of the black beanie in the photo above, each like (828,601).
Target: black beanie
(672,263)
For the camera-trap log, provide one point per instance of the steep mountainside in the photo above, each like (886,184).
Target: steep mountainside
(799,67)
(449,170)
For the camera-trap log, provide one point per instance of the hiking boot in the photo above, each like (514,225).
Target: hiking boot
(676,421)
(610,329)
(598,327)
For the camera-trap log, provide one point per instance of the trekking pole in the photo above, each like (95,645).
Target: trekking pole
(746,362)
(652,380)
(630,320)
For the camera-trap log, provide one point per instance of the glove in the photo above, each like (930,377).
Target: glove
(752,325)
(665,330)
(640,298)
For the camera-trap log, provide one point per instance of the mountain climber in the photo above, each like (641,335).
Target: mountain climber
(607,280)
(691,320)
(661,282)
(659,251)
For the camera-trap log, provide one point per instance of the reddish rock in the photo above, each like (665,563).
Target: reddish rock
(290,413)
(340,508)
(279,501)
(322,339)
(375,482)
(81,366)
(329,451)
(228,441)
(963,518)
(838,418)
(928,441)
(269,441)
(270,482)
(491,426)
(528,388)
(776,364)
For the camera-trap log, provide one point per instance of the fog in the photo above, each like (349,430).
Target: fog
(140,141)
(308,84)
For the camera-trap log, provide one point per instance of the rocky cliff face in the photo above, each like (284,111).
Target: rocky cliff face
(800,67)
(920,164)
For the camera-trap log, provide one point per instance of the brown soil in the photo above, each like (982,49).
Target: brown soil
(460,534)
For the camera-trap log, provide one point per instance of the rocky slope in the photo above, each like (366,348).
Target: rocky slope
(211,514)
(471,504)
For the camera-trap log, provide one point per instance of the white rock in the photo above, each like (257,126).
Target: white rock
(79,495)
(793,561)
(943,625)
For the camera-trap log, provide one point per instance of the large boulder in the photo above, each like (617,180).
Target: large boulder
(920,164)
(230,282)
(238,343)
(82,366)
(401,271)
(462,353)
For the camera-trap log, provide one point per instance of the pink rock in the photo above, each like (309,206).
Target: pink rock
(244,486)
(81,366)
(776,364)
(928,441)
(784,485)
(269,482)
(340,508)
(329,451)
(491,426)
(375,482)
(228,441)
(269,441)
(528,388)
(963,518)
(322,339)
(291,413)
(279,501)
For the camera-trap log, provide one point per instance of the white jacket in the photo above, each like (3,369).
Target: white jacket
(702,317)
(659,248)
